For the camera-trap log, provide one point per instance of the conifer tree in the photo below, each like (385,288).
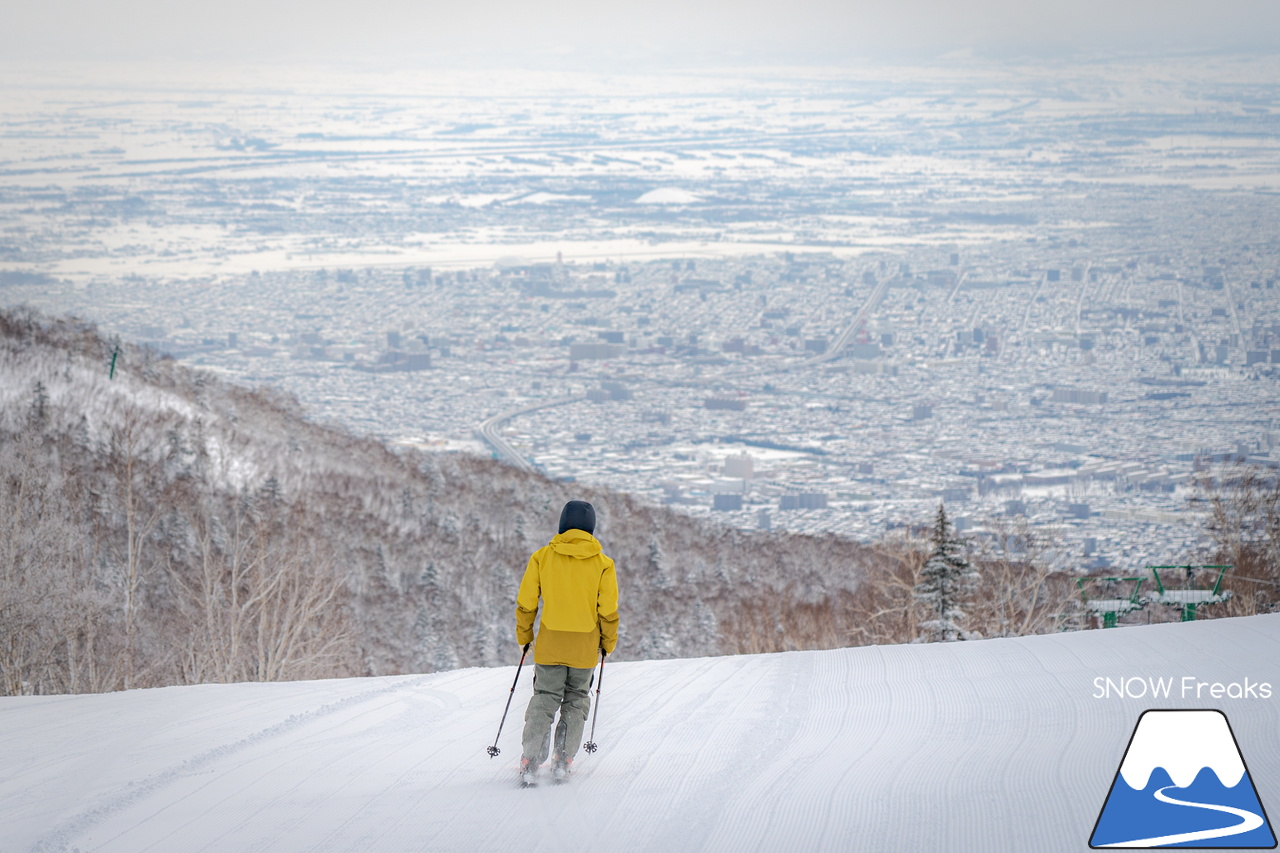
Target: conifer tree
(946,581)
(38,414)
(657,566)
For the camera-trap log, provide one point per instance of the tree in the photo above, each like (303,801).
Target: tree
(262,601)
(141,508)
(46,609)
(656,566)
(1241,503)
(38,414)
(1021,592)
(884,611)
(946,582)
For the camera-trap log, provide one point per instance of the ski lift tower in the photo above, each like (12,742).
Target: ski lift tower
(1109,602)
(1189,596)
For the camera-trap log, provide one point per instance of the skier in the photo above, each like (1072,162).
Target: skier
(579,592)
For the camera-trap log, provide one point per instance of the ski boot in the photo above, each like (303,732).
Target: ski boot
(561,769)
(528,773)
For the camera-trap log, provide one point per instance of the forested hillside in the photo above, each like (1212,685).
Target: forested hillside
(159,526)
(163,526)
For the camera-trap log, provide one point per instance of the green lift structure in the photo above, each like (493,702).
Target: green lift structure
(1185,593)
(1108,601)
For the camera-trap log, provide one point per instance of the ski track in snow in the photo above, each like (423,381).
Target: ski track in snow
(156,788)
(983,746)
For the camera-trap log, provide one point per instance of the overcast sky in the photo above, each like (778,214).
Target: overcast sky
(516,31)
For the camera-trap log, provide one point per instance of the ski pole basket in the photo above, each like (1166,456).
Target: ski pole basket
(1193,592)
(1104,597)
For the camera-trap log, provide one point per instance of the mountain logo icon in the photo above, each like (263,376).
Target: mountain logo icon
(1183,783)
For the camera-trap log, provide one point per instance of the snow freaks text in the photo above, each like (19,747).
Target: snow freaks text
(1185,687)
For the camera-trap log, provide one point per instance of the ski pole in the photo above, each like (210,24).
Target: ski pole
(493,750)
(591,745)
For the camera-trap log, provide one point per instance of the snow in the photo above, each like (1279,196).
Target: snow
(549,198)
(668,195)
(1187,596)
(974,746)
(1110,605)
(1201,739)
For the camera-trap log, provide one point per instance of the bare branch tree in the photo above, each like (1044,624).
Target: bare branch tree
(44,604)
(263,600)
(887,596)
(140,502)
(1023,589)
(1241,504)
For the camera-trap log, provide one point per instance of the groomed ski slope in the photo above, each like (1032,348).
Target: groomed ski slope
(982,746)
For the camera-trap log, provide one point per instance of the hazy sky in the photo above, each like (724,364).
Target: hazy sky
(516,31)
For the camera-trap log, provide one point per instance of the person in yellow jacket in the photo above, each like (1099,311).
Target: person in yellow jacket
(579,592)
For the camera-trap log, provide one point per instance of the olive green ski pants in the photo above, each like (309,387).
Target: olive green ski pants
(556,688)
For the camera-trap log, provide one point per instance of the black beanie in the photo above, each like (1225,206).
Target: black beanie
(578,515)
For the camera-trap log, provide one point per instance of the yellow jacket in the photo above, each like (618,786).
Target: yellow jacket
(579,593)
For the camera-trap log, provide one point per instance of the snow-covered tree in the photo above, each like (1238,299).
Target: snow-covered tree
(47,608)
(946,581)
(194,511)
(657,567)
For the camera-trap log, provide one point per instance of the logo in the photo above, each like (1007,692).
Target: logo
(1183,783)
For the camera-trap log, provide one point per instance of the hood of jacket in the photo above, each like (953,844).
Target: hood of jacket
(575,543)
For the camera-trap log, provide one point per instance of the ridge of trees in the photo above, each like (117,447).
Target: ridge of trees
(162,526)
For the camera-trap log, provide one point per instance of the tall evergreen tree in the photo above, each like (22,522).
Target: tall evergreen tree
(657,566)
(38,414)
(946,581)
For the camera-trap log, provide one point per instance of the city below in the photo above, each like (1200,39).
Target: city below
(1048,310)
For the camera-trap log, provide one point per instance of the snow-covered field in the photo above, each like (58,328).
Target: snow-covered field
(982,746)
